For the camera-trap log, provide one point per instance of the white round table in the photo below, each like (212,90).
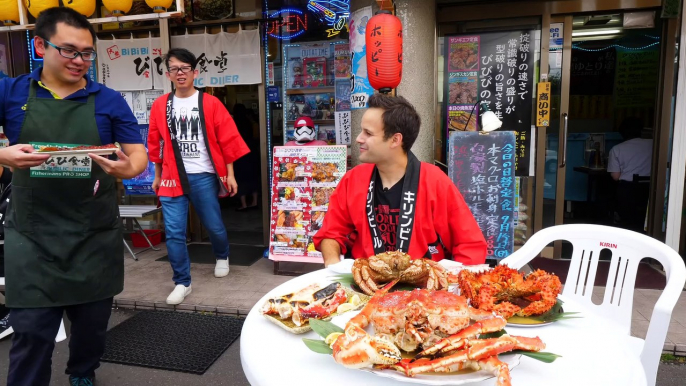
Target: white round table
(591,354)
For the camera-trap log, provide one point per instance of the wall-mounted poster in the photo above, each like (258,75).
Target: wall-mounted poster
(492,70)
(303,179)
(482,168)
(361,90)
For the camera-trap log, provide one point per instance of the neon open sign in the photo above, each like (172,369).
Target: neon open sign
(293,23)
(334,13)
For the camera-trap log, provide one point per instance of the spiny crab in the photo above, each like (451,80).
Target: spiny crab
(506,291)
(372,273)
(439,322)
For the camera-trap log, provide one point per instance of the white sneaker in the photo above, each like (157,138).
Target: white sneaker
(222,268)
(5,328)
(178,294)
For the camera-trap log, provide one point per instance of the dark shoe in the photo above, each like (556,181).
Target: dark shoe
(242,208)
(81,381)
(5,328)
(252,207)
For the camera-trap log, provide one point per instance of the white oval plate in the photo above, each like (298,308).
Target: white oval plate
(345,266)
(80,152)
(512,361)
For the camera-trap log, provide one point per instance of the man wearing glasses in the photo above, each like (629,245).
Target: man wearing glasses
(63,237)
(196,167)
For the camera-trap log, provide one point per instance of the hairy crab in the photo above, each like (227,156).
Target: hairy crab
(372,273)
(439,322)
(506,291)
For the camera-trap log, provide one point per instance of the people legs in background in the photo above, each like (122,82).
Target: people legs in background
(632,203)
(204,197)
(175,211)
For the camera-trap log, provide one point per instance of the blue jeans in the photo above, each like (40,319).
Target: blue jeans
(203,196)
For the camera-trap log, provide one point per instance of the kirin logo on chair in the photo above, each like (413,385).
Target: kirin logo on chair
(608,245)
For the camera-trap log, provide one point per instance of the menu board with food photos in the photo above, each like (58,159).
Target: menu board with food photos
(493,71)
(303,178)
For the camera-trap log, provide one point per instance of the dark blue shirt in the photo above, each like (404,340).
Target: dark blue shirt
(113,116)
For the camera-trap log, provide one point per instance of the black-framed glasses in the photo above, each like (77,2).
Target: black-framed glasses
(182,70)
(71,53)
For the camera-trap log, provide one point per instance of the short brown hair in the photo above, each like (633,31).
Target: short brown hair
(399,116)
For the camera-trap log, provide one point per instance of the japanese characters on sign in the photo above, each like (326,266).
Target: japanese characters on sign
(543,105)
(213,52)
(67,165)
(361,90)
(494,71)
(126,64)
(482,168)
(303,179)
(137,64)
(343,129)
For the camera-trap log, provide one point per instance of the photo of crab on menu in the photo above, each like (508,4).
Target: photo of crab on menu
(303,180)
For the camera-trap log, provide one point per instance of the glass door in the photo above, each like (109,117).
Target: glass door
(551,145)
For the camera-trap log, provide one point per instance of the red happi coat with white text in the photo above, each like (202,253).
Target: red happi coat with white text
(441,214)
(219,129)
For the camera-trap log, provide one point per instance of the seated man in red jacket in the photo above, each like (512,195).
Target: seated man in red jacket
(197,167)
(395,202)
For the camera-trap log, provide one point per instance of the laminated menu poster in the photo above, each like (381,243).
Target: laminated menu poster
(492,70)
(302,182)
(482,168)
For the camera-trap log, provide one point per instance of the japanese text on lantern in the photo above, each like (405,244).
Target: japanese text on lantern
(543,105)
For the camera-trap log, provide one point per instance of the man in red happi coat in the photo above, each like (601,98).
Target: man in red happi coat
(395,202)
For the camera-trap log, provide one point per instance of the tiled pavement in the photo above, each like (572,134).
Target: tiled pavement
(148,283)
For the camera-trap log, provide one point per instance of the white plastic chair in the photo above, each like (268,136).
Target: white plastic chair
(61,333)
(628,248)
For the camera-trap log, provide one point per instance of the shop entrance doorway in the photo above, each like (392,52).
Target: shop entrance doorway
(604,71)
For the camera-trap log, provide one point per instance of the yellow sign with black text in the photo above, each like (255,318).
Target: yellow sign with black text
(543,105)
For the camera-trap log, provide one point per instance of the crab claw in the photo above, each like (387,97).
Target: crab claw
(355,349)
(457,341)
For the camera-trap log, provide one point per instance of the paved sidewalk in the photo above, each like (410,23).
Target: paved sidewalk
(148,283)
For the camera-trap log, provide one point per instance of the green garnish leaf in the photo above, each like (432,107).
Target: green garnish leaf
(318,346)
(324,328)
(490,335)
(545,357)
(345,279)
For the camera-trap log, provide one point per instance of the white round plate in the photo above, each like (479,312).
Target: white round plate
(345,266)
(512,361)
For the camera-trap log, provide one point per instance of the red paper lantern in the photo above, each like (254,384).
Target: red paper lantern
(384,40)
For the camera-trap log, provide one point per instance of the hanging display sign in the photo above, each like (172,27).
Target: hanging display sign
(361,90)
(302,181)
(482,168)
(125,64)
(224,58)
(137,64)
(495,70)
(543,105)
(343,129)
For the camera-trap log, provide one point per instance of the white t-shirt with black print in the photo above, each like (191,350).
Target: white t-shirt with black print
(189,134)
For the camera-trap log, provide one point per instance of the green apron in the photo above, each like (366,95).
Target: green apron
(63,236)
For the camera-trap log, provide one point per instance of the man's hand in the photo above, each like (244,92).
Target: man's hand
(156,184)
(127,166)
(233,186)
(21,156)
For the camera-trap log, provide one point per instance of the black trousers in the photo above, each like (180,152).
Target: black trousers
(632,203)
(34,340)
